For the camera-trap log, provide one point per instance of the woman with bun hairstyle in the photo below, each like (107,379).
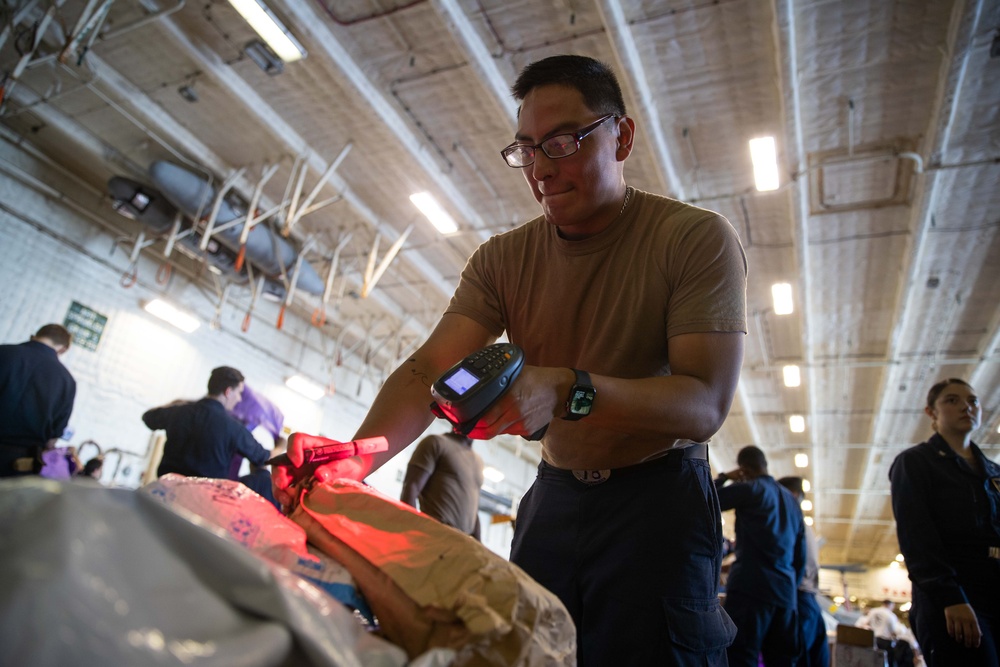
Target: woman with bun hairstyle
(946,498)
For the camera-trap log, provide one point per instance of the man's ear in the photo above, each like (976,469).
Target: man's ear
(626,136)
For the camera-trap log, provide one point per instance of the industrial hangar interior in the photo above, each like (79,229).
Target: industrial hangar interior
(881,223)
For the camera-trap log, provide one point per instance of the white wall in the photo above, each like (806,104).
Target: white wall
(51,254)
(889,582)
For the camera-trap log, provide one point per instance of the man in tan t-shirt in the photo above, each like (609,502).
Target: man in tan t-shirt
(631,311)
(445,475)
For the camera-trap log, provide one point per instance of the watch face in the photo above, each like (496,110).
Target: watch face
(581,401)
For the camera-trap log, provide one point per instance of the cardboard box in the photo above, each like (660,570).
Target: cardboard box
(845,655)
(851,636)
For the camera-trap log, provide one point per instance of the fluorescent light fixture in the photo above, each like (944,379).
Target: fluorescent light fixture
(270,29)
(801,460)
(808,520)
(899,558)
(439,217)
(806,486)
(765,163)
(797,424)
(306,387)
(781,293)
(169,313)
(894,564)
(492,474)
(905,607)
(807,505)
(792,376)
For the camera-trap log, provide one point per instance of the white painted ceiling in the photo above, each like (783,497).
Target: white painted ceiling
(886,115)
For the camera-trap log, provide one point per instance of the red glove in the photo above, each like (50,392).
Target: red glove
(312,457)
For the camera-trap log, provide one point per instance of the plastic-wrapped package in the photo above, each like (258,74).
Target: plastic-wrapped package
(259,526)
(97,576)
(432,586)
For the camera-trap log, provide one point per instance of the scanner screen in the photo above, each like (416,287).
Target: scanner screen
(461,381)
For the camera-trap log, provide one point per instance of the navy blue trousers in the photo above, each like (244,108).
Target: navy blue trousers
(938,648)
(635,559)
(762,629)
(815,646)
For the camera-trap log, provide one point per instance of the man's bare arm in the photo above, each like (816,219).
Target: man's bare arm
(691,403)
(401,411)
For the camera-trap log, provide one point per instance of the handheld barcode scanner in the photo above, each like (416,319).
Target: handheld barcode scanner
(469,388)
(324,450)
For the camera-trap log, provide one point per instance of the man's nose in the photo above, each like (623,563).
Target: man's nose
(543,166)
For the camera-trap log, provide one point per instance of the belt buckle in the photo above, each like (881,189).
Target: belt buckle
(592,477)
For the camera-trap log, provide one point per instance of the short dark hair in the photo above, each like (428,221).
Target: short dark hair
(937,389)
(595,80)
(752,457)
(56,333)
(93,465)
(793,484)
(222,378)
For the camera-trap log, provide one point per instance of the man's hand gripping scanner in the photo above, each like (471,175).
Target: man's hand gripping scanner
(464,393)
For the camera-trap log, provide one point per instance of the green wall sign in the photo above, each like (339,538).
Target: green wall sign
(86,325)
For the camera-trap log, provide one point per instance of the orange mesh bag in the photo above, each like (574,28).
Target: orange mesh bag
(431,586)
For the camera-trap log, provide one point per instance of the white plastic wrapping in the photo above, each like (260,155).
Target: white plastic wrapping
(97,576)
(256,524)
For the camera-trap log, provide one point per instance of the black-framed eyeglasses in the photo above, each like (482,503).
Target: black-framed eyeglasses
(562,145)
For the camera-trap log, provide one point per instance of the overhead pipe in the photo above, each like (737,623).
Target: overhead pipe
(294,212)
(290,293)
(36,40)
(252,219)
(19,16)
(372,277)
(319,314)
(138,23)
(220,195)
(884,363)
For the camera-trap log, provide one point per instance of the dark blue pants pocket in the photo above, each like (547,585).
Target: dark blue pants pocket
(699,631)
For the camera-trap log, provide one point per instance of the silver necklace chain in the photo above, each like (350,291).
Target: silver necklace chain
(628,193)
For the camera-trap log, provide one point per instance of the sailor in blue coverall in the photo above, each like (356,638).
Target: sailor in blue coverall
(762,589)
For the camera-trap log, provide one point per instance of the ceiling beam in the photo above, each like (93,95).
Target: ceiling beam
(479,58)
(308,22)
(786,53)
(964,25)
(629,62)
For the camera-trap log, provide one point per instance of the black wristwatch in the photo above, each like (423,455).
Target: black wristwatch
(581,397)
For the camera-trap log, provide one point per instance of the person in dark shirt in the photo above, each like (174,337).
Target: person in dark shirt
(761,592)
(201,436)
(946,500)
(36,399)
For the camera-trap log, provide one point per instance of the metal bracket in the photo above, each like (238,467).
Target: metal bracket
(372,274)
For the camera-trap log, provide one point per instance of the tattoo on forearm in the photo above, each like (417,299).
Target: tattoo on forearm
(420,375)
